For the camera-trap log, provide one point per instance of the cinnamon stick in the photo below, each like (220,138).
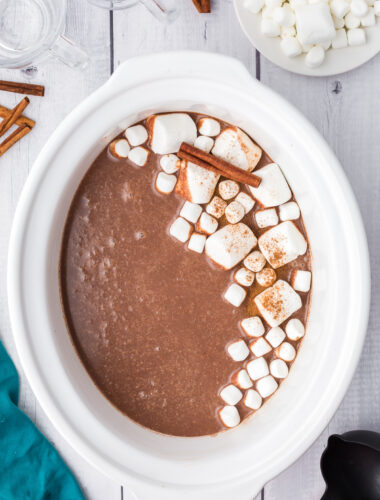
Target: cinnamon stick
(22,120)
(211,162)
(22,88)
(203,6)
(13,138)
(15,113)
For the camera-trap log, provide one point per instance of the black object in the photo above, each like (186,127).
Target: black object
(350,466)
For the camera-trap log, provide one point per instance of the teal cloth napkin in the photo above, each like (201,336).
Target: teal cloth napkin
(30,467)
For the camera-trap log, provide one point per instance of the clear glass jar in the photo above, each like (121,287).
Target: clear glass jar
(164,10)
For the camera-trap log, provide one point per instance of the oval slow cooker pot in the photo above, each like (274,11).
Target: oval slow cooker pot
(234,464)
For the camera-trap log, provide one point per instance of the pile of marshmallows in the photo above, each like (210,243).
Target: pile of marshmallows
(207,199)
(314,26)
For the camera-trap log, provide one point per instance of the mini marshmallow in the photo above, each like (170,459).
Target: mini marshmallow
(228,189)
(260,347)
(191,211)
(229,416)
(369,19)
(204,143)
(325,45)
(286,351)
(197,242)
(265,218)
(247,201)
(291,47)
(266,277)
(231,395)
(168,131)
(255,261)
(288,32)
(278,303)
(359,8)
(252,399)
(234,146)
(242,379)
(351,21)
(273,3)
(275,336)
(207,224)
(181,229)
(294,329)
(165,183)
(294,3)
(119,148)
(284,16)
(216,207)
(376,7)
(244,277)
(339,8)
(257,368)
(230,245)
(238,350)
(170,164)
(267,12)
(266,386)
(235,295)
(314,23)
(196,184)
(270,28)
(301,280)
(234,212)
(282,244)
(209,126)
(254,6)
(136,135)
(253,326)
(278,368)
(315,56)
(139,156)
(289,211)
(338,23)
(273,189)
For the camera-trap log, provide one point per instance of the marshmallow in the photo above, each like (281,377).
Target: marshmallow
(315,56)
(273,189)
(286,351)
(165,183)
(265,218)
(209,126)
(242,379)
(314,23)
(294,329)
(245,200)
(291,47)
(253,326)
(167,132)
(257,368)
(181,229)
(234,212)
(260,347)
(197,242)
(255,261)
(216,207)
(275,336)
(191,211)
(266,386)
(170,164)
(230,245)
(244,277)
(270,28)
(235,295)
(234,146)
(267,12)
(139,156)
(339,8)
(359,8)
(301,280)
(252,399)
(196,184)
(289,211)
(229,416)
(278,303)
(207,224)
(369,19)
(278,368)
(204,143)
(136,135)
(338,23)
(288,32)
(376,7)
(231,394)
(284,16)
(119,148)
(351,21)
(282,244)
(254,6)
(294,3)
(228,189)
(273,3)
(238,350)
(325,45)
(266,277)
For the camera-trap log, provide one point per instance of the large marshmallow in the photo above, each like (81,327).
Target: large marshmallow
(167,132)
(255,261)
(235,295)
(181,229)
(294,329)
(275,336)
(238,350)
(314,23)
(229,415)
(234,212)
(282,244)
(266,386)
(216,207)
(273,189)
(191,211)
(301,280)
(242,379)
(244,277)
(278,303)
(253,326)
(252,399)
(231,394)
(230,245)
(247,201)
(234,146)
(260,347)
(257,368)
(196,184)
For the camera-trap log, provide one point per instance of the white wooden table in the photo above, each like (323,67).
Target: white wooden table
(345,109)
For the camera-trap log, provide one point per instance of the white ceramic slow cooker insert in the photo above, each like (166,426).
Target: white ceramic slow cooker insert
(237,463)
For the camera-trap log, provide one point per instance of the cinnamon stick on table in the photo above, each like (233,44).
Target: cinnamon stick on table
(203,6)
(22,88)
(13,138)
(22,120)
(15,113)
